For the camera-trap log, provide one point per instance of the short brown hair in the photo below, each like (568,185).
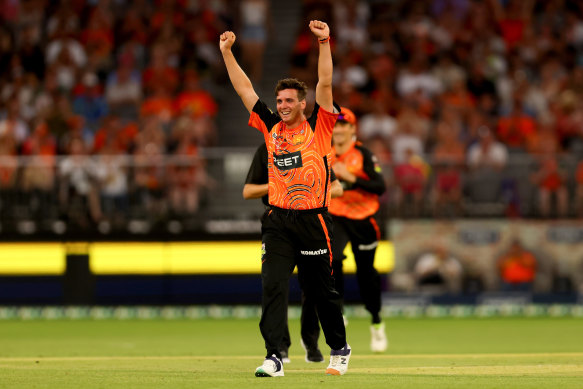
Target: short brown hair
(292,83)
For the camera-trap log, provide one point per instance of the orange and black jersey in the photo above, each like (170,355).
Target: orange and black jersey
(258,173)
(298,159)
(360,199)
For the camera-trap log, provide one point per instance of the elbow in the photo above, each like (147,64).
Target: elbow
(246,194)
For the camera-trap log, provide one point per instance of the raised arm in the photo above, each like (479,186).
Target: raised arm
(324,87)
(238,78)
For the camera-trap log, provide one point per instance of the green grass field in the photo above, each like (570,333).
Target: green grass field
(423,353)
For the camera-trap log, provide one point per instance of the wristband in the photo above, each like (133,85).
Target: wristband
(324,40)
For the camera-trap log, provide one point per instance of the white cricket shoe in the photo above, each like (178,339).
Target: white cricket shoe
(272,367)
(378,338)
(339,361)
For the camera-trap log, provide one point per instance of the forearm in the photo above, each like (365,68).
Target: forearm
(375,185)
(241,83)
(324,86)
(325,65)
(255,191)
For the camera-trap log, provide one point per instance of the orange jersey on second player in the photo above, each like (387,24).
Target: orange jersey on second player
(298,158)
(356,202)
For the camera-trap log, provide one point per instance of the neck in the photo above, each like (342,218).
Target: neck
(295,123)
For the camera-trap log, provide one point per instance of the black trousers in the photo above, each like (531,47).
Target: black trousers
(302,239)
(310,326)
(363,236)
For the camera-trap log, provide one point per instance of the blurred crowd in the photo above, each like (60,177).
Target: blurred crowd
(107,102)
(463,100)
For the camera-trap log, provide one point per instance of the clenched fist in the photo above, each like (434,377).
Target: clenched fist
(227,40)
(320,29)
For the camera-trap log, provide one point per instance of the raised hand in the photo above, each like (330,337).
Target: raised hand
(320,29)
(227,39)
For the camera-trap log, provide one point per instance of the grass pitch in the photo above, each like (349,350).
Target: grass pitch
(435,353)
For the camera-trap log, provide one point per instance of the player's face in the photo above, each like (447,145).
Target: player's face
(343,132)
(290,109)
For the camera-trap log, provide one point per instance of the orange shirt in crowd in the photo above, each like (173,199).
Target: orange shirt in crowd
(514,131)
(518,268)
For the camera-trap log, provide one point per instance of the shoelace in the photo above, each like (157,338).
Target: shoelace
(335,360)
(268,363)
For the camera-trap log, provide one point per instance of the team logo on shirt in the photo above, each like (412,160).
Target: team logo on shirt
(298,139)
(288,161)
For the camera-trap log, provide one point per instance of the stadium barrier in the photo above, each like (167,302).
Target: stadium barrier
(254,312)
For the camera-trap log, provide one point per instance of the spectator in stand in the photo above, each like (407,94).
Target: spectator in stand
(98,40)
(512,17)
(149,172)
(78,195)
(417,78)
(200,51)
(111,173)
(194,99)
(159,104)
(39,174)
(131,35)
(352,18)
(65,43)
(7,48)
(551,181)
(350,70)
(65,20)
(438,271)
(579,189)
(411,134)
(487,154)
(159,76)
(545,140)
(150,180)
(448,72)
(517,268)
(88,101)
(201,130)
(516,129)
(171,39)
(123,91)
(377,123)
(31,53)
(478,84)
(167,11)
(486,159)
(459,98)
(13,129)
(410,176)
(448,160)
(569,119)
(186,179)
(255,28)
(65,125)
(66,69)
(8,174)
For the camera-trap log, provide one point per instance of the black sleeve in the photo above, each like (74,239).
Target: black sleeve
(258,170)
(314,117)
(266,115)
(332,176)
(376,183)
